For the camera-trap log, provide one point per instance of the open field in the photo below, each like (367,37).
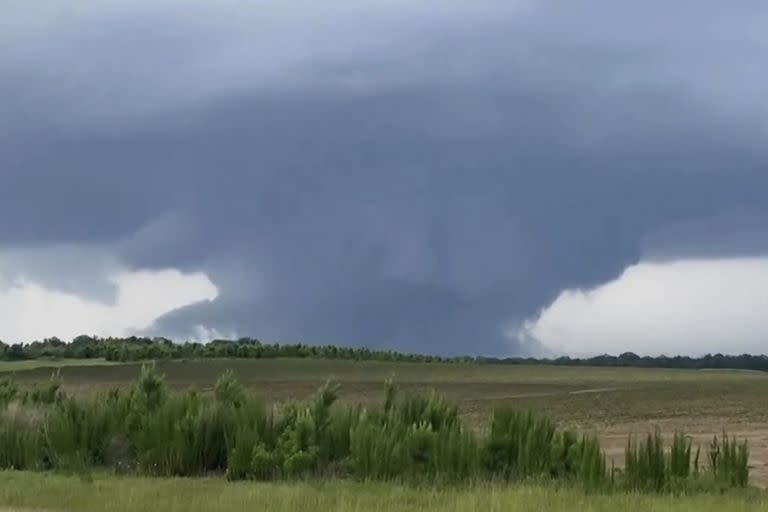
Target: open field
(27,492)
(31,364)
(610,401)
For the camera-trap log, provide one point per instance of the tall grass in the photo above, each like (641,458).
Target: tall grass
(650,465)
(728,459)
(417,438)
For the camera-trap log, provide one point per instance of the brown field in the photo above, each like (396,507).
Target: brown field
(613,402)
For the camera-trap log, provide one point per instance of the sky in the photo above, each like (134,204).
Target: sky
(513,177)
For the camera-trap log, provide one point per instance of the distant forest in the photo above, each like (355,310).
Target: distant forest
(143,349)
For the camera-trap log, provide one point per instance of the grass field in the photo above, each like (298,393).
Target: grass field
(612,402)
(582,397)
(56,493)
(15,366)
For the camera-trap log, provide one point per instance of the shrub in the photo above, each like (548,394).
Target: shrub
(264,463)
(412,439)
(456,455)
(432,410)
(228,390)
(520,444)
(376,448)
(300,463)
(150,390)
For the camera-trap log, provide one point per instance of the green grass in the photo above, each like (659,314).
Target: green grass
(57,493)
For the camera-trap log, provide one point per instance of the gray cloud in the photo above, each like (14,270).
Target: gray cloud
(81,270)
(393,176)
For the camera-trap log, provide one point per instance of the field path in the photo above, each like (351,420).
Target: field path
(544,394)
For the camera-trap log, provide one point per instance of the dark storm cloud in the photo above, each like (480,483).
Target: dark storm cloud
(424,189)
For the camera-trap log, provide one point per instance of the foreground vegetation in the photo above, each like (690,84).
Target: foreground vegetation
(614,401)
(144,349)
(412,438)
(22,491)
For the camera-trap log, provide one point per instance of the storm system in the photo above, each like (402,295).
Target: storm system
(490,177)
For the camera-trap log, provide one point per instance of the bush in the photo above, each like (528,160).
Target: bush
(411,439)
(264,463)
(300,463)
(228,390)
(150,390)
(520,445)
(377,450)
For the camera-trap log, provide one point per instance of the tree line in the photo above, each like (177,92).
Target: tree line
(629,359)
(134,349)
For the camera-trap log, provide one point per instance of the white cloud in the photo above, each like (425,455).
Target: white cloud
(203,334)
(682,307)
(30,311)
